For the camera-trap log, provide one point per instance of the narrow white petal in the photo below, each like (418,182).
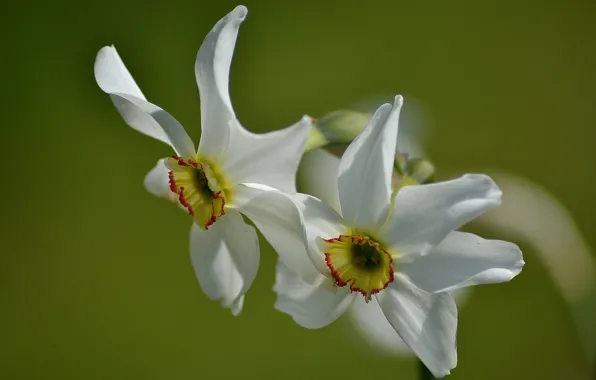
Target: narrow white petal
(114,79)
(426,322)
(423,215)
(112,76)
(226,259)
(372,325)
(365,171)
(212,70)
(320,222)
(318,172)
(310,305)
(157,181)
(278,218)
(370,322)
(268,158)
(464,259)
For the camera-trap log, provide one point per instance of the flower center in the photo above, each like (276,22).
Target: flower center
(197,188)
(358,262)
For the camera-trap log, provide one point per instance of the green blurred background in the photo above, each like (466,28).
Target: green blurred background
(95,277)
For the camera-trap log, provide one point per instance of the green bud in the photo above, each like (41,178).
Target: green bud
(420,169)
(400,163)
(315,139)
(337,127)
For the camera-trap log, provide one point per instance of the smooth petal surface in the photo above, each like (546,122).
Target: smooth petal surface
(114,79)
(464,259)
(426,322)
(372,325)
(423,215)
(364,179)
(318,172)
(278,218)
(370,322)
(320,222)
(311,306)
(112,76)
(226,259)
(157,181)
(212,70)
(267,158)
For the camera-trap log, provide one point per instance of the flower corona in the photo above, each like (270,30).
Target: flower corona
(359,262)
(198,189)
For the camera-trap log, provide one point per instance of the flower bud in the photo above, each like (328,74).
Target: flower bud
(420,169)
(337,127)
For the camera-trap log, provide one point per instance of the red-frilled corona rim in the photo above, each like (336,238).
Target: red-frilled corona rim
(191,181)
(360,263)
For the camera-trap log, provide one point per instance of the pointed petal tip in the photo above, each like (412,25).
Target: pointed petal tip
(106,49)
(103,54)
(236,305)
(239,12)
(101,57)
(307,121)
(398,101)
(492,189)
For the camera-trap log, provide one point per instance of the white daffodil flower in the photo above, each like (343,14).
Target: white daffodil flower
(318,174)
(214,181)
(399,248)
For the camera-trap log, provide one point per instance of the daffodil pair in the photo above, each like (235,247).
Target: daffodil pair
(393,249)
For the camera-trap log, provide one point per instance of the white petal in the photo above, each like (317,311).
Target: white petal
(372,325)
(318,173)
(424,214)
(464,259)
(365,171)
(320,222)
(279,220)
(157,181)
(112,75)
(114,79)
(226,259)
(370,322)
(212,70)
(311,306)
(268,158)
(426,322)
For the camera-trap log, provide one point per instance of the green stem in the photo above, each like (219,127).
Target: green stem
(423,372)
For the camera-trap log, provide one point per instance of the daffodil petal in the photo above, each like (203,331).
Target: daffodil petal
(464,259)
(225,259)
(112,76)
(372,325)
(320,219)
(114,79)
(364,179)
(278,218)
(370,322)
(423,215)
(318,172)
(320,222)
(310,305)
(212,70)
(157,180)
(267,158)
(426,322)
